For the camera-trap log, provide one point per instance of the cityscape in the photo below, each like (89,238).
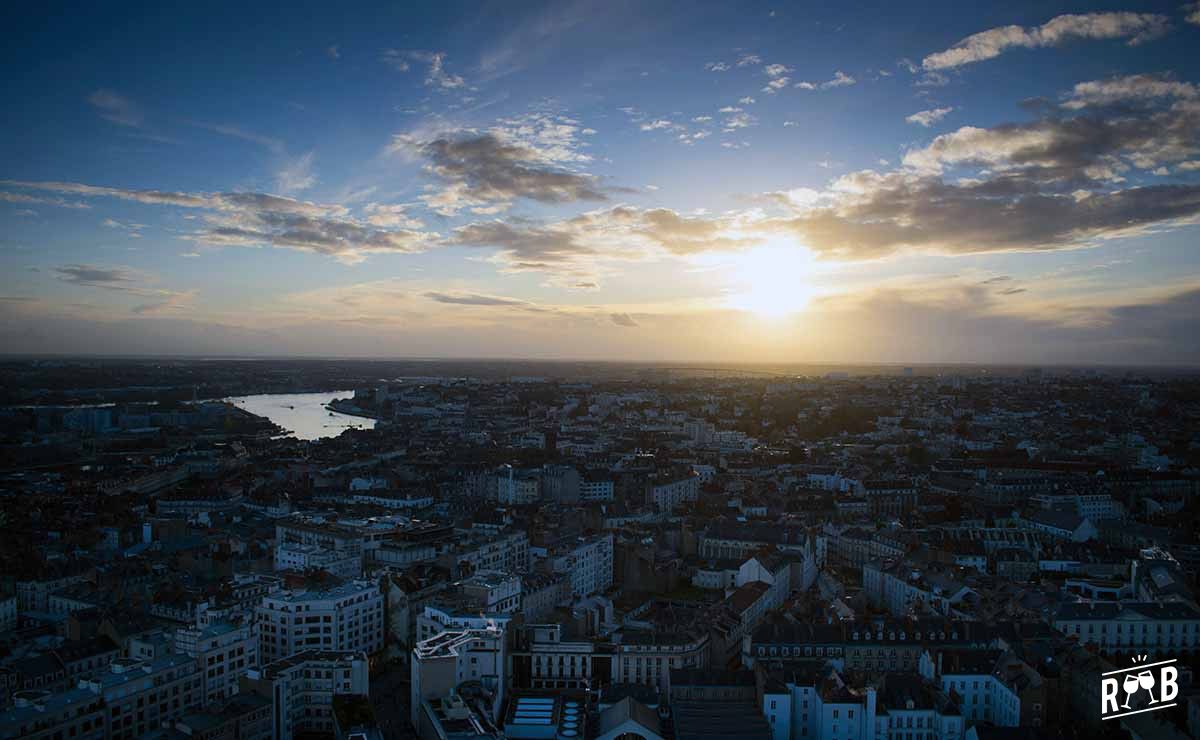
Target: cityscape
(600,371)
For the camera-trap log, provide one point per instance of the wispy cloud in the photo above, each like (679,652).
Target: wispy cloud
(116,108)
(1135,28)
(928,117)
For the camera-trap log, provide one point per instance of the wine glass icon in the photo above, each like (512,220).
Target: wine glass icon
(1146,679)
(1130,685)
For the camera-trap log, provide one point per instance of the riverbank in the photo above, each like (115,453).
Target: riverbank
(344,406)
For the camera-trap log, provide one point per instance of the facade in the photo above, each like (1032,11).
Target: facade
(588,564)
(140,696)
(302,689)
(1132,627)
(224,652)
(42,715)
(344,564)
(668,493)
(344,618)
(443,662)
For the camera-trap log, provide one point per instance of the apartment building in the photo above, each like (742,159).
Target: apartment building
(344,618)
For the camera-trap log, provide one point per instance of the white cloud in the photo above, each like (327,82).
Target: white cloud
(839,79)
(296,175)
(395,59)
(929,117)
(1135,27)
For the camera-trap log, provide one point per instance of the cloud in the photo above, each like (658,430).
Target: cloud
(171,302)
(333,53)
(839,79)
(125,280)
(717,67)
(584,247)
(390,216)
(874,215)
(929,117)
(1131,88)
(436,74)
(1192,11)
(777,84)
(395,59)
(271,144)
(116,108)
(1135,27)
(737,119)
(1088,147)
(26,198)
(1048,184)
(486,169)
(776,70)
(623,319)
(296,175)
(109,278)
(747,60)
(474,299)
(257,219)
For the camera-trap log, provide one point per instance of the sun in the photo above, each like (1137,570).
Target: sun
(772,281)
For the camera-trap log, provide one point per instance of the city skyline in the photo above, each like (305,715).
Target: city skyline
(760,182)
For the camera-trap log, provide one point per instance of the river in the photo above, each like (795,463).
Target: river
(303,414)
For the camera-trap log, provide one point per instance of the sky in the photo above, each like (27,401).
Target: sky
(778,182)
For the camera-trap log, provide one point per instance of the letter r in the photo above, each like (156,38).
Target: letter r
(1108,691)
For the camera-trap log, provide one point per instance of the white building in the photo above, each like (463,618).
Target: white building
(345,564)
(1132,627)
(516,488)
(588,564)
(345,618)
(668,493)
(224,652)
(440,663)
(302,689)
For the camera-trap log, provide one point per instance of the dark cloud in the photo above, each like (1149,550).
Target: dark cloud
(1053,183)
(253,219)
(485,169)
(903,211)
(110,278)
(623,319)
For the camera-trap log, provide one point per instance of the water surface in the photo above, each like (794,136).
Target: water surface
(303,414)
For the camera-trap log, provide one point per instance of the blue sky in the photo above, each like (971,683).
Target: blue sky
(755,181)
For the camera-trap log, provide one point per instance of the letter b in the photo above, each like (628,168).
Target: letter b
(1170,688)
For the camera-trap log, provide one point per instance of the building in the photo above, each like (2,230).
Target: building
(140,696)
(302,689)
(345,564)
(667,492)
(43,715)
(443,662)
(515,488)
(224,652)
(587,563)
(1132,627)
(346,618)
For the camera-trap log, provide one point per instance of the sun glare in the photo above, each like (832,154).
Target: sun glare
(772,281)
